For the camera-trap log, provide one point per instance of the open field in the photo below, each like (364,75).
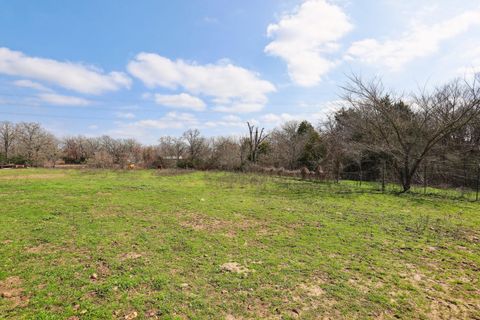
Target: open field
(79,244)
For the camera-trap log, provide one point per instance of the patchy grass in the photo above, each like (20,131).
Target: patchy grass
(137,244)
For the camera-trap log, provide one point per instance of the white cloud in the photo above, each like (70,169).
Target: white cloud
(229,86)
(61,100)
(323,111)
(125,115)
(229,121)
(149,130)
(73,76)
(278,118)
(170,120)
(419,41)
(469,58)
(182,101)
(305,38)
(240,108)
(31,85)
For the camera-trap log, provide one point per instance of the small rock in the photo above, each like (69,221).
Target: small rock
(131,315)
(234,267)
(94,276)
(184,285)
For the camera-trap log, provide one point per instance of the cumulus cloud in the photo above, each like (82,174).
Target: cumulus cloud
(306,37)
(73,76)
(419,41)
(62,100)
(230,87)
(182,101)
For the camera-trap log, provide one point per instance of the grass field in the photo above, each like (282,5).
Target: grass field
(141,244)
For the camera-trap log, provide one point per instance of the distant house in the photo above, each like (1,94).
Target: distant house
(171,161)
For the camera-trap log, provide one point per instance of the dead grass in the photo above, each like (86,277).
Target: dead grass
(11,290)
(40,176)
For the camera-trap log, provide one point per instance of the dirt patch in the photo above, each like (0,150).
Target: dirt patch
(443,302)
(42,248)
(152,314)
(443,309)
(312,290)
(202,222)
(33,176)
(130,256)
(234,267)
(11,290)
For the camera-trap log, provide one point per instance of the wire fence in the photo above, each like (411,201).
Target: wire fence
(436,177)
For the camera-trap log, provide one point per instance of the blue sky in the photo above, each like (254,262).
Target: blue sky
(143,69)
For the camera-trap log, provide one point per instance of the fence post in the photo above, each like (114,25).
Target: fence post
(383,176)
(425,178)
(478,181)
(361,173)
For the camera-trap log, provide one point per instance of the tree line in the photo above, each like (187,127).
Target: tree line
(376,130)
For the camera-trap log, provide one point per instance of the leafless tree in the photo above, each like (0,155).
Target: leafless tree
(172,147)
(195,144)
(255,140)
(32,138)
(8,135)
(225,153)
(407,132)
(287,144)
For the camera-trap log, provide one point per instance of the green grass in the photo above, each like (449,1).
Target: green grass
(157,243)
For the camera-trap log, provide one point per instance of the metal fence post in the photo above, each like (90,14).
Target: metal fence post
(478,182)
(383,176)
(425,179)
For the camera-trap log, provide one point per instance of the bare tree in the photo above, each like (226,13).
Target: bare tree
(195,144)
(407,132)
(288,144)
(32,138)
(225,153)
(255,139)
(172,147)
(8,135)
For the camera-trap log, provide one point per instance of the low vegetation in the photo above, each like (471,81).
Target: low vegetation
(88,244)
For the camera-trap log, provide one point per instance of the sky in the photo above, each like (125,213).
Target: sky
(144,69)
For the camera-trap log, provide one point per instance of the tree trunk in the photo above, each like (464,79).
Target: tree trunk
(406,184)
